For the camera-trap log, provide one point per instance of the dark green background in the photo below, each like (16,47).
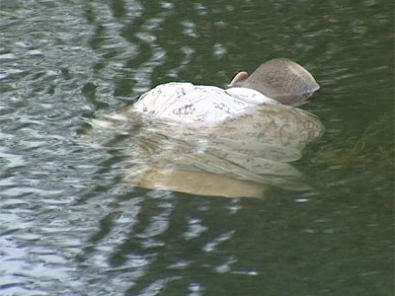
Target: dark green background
(69,227)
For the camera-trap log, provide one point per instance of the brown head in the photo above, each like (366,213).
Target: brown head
(280,79)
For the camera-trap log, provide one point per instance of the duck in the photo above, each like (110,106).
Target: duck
(234,141)
(278,81)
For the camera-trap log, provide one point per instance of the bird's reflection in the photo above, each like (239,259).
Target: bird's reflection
(238,158)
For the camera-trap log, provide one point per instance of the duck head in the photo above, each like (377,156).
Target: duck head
(280,79)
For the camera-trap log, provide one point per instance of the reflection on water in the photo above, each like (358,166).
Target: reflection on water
(237,158)
(69,225)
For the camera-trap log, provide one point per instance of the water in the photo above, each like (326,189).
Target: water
(70,226)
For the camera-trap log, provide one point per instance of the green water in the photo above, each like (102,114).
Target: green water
(69,226)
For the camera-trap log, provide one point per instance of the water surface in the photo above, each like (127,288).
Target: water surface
(70,226)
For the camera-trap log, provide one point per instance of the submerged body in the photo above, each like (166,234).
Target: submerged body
(211,141)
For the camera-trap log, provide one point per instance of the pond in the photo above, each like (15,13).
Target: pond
(70,225)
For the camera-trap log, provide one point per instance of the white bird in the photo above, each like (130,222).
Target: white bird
(212,141)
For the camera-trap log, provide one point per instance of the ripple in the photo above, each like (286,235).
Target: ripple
(211,246)
(69,226)
(8,57)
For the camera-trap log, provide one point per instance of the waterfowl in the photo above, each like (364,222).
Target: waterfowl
(278,81)
(208,140)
